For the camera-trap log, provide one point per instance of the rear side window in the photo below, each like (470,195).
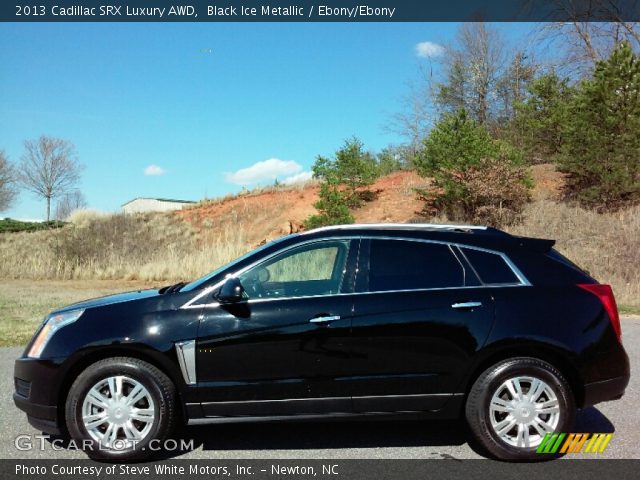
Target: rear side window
(490,267)
(407,265)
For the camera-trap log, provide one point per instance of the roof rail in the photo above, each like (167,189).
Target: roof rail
(398,226)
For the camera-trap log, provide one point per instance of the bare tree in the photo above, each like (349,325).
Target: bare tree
(7,190)
(416,117)
(49,168)
(473,66)
(590,35)
(512,85)
(69,203)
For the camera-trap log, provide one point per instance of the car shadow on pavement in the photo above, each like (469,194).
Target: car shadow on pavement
(322,435)
(592,420)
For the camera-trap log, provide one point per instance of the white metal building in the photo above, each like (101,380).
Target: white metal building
(138,205)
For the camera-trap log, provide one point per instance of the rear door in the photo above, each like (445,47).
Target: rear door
(420,315)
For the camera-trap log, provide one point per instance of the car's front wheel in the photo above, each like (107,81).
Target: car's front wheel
(514,404)
(117,406)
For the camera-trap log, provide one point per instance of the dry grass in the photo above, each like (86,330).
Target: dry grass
(607,245)
(23,304)
(133,247)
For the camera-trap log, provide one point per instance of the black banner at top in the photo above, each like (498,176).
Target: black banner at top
(319,10)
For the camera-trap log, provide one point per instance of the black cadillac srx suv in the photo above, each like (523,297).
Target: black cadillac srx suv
(439,321)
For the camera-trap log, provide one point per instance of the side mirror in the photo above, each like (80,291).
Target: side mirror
(231,291)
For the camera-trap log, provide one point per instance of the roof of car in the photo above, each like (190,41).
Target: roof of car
(479,235)
(406,226)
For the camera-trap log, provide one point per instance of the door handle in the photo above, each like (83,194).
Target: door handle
(465,305)
(325,319)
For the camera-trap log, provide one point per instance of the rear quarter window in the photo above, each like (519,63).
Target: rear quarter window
(490,267)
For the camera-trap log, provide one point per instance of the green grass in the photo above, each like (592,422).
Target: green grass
(24,304)
(628,310)
(9,225)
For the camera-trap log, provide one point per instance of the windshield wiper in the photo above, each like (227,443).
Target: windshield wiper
(172,288)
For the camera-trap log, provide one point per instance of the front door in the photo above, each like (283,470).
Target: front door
(279,350)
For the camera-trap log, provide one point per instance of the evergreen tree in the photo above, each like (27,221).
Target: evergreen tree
(601,154)
(344,184)
(538,127)
(352,168)
(332,208)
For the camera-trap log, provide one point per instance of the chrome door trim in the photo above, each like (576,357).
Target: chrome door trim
(466,305)
(326,319)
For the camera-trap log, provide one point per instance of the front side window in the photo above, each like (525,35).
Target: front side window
(411,265)
(314,269)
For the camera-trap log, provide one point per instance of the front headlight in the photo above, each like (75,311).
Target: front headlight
(51,326)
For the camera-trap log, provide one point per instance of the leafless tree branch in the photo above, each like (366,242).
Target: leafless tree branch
(49,168)
(7,185)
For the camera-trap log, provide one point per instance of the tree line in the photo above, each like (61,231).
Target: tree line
(474,129)
(48,168)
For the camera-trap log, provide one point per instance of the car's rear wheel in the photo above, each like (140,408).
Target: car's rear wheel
(515,403)
(117,406)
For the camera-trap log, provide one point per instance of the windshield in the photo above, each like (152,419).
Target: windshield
(196,284)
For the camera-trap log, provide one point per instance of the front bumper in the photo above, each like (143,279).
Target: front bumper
(37,387)
(41,417)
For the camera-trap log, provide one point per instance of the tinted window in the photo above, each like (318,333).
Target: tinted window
(490,267)
(406,265)
(315,269)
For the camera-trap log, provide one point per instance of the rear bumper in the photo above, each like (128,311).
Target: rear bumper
(603,391)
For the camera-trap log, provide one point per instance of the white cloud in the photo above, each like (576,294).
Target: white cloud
(154,170)
(298,178)
(266,170)
(429,50)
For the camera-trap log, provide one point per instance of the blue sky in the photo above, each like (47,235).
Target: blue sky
(198,104)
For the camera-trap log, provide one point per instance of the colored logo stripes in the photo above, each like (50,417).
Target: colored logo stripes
(574,443)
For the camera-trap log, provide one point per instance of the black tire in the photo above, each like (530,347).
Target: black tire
(478,411)
(158,385)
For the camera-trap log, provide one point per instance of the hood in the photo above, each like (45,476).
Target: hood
(110,300)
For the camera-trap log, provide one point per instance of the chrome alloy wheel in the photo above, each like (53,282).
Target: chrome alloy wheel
(118,412)
(522,410)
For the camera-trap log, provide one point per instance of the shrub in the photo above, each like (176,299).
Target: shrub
(352,170)
(85,216)
(332,208)
(475,178)
(11,226)
(344,184)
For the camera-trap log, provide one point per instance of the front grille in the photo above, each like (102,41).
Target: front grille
(23,387)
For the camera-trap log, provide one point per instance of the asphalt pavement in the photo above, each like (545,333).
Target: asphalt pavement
(338,440)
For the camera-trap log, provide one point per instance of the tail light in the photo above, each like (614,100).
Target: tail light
(605,294)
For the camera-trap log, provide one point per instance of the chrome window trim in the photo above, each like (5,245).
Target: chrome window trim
(190,303)
(523,281)
(467,287)
(516,271)
(186,352)
(398,226)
